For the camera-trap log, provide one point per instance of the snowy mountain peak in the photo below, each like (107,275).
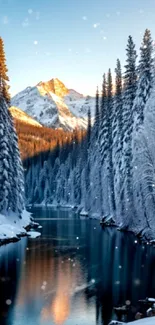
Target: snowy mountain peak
(55,86)
(52,104)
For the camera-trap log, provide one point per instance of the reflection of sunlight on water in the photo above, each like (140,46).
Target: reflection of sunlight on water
(67,281)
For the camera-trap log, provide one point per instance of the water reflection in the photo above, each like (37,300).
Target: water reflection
(75,273)
(11,257)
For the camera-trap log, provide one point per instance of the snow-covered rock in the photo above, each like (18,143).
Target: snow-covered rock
(52,104)
(33,234)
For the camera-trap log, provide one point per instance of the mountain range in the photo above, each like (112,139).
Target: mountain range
(53,105)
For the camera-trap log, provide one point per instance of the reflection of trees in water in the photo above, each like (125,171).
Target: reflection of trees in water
(60,281)
(11,258)
(126,271)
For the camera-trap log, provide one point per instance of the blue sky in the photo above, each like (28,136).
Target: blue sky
(73,40)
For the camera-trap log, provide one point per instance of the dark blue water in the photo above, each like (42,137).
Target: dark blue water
(74,274)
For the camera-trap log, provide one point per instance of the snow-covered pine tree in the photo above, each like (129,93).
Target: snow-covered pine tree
(130,86)
(118,103)
(17,185)
(104,149)
(89,128)
(103,98)
(142,160)
(145,81)
(117,127)
(95,130)
(110,115)
(11,172)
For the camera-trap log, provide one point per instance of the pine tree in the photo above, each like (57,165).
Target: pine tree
(89,128)
(103,98)
(145,81)
(118,119)
(117,126)
(103,136)
(11,172)
(110,139)
(130,86)
(97,116)
(4,88)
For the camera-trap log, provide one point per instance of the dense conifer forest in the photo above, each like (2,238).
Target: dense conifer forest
(109,172)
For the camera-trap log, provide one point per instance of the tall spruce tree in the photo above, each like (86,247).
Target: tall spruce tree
(118,118)
(103,98)
(103,135)
(117,127)
(110,116)
(4,87)
(145,77)
(89,128)
(130,86)
(97,116)
(11,172)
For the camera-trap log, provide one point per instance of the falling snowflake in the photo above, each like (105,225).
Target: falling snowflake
(135,241)
(137,282)
(96,25)
(117,282)
(84,18)
(35,42)
(5,20)
(128,302)
(105,38)
(30,11)
(43,287)
(93,281)
(25,23)
(77,238)
(8,302)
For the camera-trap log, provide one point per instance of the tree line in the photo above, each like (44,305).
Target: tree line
(110,173)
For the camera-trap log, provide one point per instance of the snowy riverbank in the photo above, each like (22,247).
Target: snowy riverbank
(12,228)
(142,234)
(144,321)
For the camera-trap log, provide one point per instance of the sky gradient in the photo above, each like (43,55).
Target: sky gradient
(73,40)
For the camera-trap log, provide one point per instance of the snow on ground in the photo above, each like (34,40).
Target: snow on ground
(33,234)
(144,321)
(11,227)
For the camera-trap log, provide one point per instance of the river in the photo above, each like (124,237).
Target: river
(74,274)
